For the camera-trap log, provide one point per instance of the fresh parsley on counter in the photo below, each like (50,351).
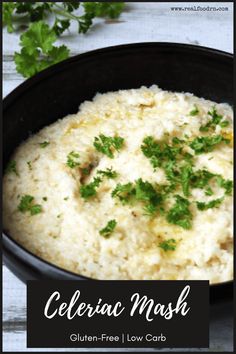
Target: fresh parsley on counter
(37,42)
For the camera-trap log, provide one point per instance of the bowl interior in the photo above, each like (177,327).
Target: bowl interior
(59,90)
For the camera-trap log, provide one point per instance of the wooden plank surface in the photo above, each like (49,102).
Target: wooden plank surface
(139,23)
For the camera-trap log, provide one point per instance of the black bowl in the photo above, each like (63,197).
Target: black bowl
(59,90)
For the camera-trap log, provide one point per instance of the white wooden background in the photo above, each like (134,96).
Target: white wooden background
(140,22)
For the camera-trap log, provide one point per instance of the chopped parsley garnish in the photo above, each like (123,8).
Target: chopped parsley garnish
(212,204)
(203,144)
(150,209)
(159,152)
(180,214)
(186,174)
(109,173)
(44,144)
(11,167)
(124,192)
(168,245)
(89,190)
(26,204)
(209,191)
(226,184)
(200,178)
(139,191)
(178,166)
(177,141)
(152,150)
(194,111)
(107,145)
(144,191)
(216,119)
(172,174)
(108,229)
(45,199)
(29,165)
(35,209)
(86,170)
(73,159)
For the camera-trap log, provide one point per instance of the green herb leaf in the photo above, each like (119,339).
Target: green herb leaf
(73,159)
(109,173)
(107,145)
(209,191)
(35,209)
(194,111)
(37,51)
(215,120)
(180,214)
(204,144)
(168,245)
(108,229)
(212,204)
(8,9)
(44,144)
(60,26)
(139,191)
(11,167)
(201,178)
(104,9)
(29,163)
(159,152)
(226,184)
(89,190)
(26,204)
(124,192)
(71,5)
(144,191)
(185,178)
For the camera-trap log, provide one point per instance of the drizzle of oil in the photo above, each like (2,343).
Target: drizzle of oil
(229,136)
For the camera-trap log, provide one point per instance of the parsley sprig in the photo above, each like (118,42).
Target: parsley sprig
(37,42)
(38,51)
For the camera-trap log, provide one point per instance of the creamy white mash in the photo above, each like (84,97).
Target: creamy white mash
(44,210)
